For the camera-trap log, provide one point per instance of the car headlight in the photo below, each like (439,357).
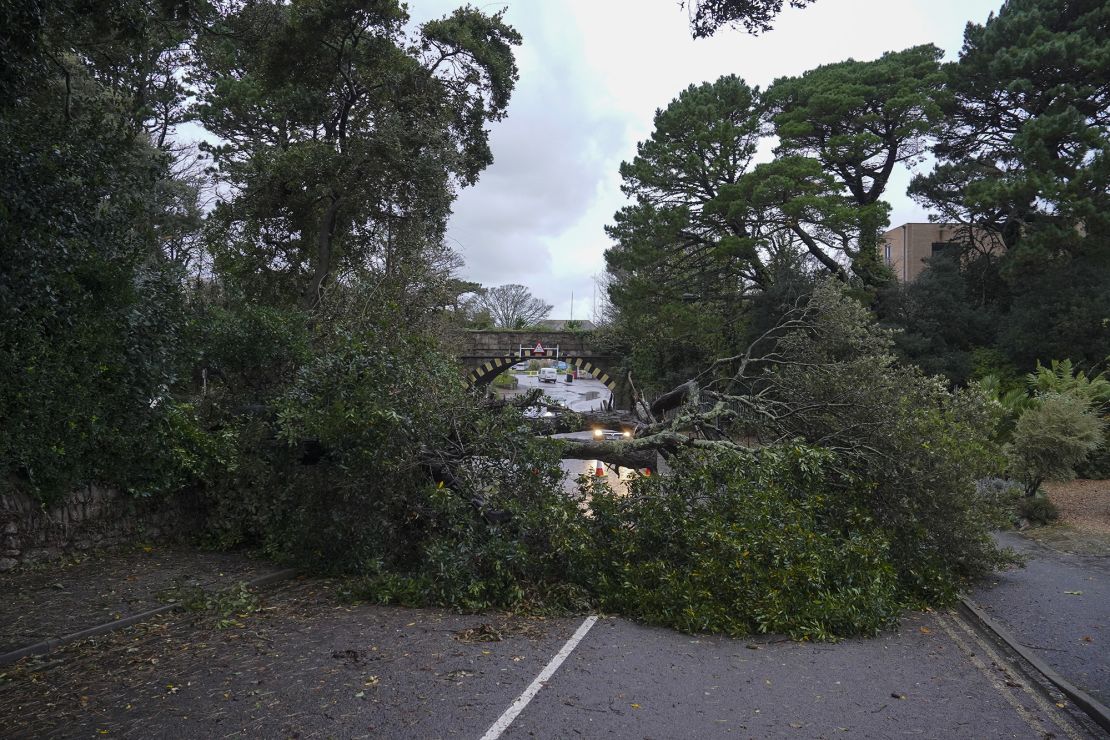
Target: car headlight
(628,434)
(598,433)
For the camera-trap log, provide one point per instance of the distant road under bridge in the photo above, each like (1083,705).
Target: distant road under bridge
(488,353)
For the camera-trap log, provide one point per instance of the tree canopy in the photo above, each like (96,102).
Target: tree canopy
(343,139)
(708,16)
(1021,148)
(512,306)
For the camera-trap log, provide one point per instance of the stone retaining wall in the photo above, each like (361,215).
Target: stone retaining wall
(89,518)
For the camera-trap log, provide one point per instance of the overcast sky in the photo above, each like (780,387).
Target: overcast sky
(593,73)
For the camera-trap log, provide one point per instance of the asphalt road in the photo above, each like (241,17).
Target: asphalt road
(932,678)
(584,394)
(307,665)
(1058,606)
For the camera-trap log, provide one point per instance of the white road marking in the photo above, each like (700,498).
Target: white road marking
(521,701)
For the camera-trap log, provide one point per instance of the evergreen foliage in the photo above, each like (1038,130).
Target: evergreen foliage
(1051,438)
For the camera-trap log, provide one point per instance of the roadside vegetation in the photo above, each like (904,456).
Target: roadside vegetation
(264,323)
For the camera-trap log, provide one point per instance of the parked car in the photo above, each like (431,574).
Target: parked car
(611,434)
(521,366)
(548,375)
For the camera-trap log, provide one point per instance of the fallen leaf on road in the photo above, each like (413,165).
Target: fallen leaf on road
(634,706)
(796,725)
(925,630)
(1074,593)
(1087,638)
(895,695)
(481,633)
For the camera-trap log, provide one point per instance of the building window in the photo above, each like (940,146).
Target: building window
(945,247)
(886,254)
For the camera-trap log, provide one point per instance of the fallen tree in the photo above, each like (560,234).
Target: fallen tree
(825,375)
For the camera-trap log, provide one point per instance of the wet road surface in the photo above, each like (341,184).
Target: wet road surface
(1059,607)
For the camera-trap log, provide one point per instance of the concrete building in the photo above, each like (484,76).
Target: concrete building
(905,248)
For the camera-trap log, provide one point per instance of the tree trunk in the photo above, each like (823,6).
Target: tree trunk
(324,236)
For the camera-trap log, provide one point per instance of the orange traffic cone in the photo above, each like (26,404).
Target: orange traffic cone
(600,469)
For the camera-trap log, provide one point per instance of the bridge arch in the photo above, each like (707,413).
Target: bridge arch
(490,369)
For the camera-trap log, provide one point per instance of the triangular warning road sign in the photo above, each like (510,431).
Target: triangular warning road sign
(539,350)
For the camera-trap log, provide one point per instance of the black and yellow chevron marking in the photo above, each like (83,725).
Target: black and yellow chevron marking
(597,372)
(488,367)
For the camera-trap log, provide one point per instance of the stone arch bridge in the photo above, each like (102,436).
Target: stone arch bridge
(487,353)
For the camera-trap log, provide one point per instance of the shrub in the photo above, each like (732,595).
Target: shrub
(1051,438)
(1038,509)
(999,488)
(505,381)
(1097,464)
(90,312)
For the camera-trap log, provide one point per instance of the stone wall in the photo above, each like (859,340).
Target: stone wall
(89,518)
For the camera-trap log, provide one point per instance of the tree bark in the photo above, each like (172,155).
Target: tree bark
(324,236)
(625,454)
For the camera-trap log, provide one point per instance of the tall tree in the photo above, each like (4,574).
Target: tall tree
(90,309)
(675,245)
(1023,159)
(1026,116)
(344,139)
(858,121)
(512,306)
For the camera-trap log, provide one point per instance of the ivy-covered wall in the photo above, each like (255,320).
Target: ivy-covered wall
(89,518)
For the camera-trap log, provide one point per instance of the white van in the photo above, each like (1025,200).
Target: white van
(548,375)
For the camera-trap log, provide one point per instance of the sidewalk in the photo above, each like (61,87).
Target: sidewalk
(56,599)
(1059,607)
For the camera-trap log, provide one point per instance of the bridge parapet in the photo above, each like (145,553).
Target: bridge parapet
(493,343)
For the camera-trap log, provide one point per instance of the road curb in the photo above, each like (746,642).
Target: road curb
(1098,712)
(53,643)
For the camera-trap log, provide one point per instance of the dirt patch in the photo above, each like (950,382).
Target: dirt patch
(1084,524)
(1084,504)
